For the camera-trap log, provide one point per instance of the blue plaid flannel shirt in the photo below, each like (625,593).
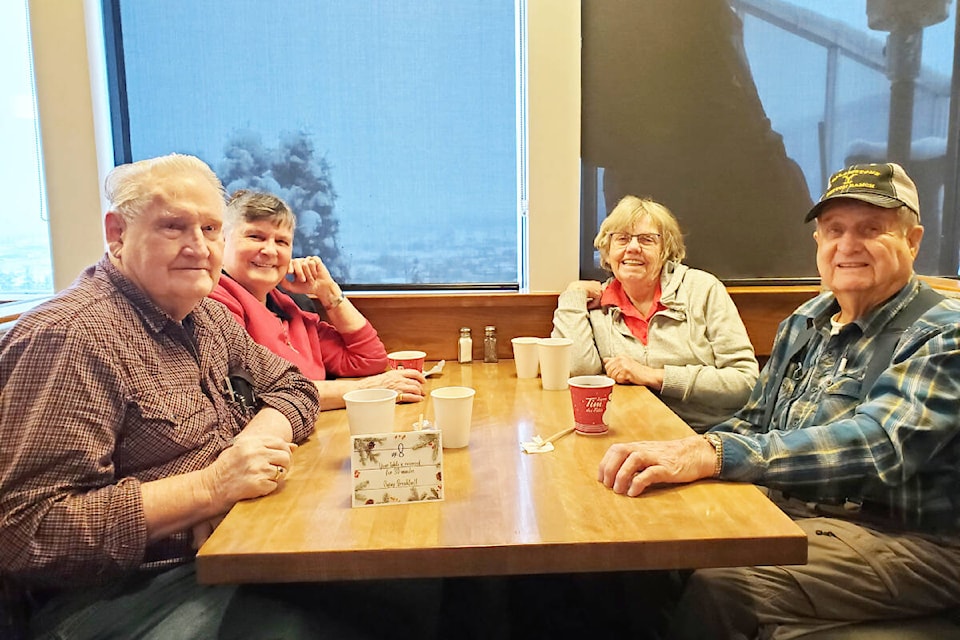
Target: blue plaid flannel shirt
(898,449)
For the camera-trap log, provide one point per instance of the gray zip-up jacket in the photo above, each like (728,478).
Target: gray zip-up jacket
(699,341)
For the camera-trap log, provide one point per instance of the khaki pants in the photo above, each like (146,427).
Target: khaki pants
(853,573)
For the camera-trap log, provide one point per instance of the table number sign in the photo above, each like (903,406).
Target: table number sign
(395,468)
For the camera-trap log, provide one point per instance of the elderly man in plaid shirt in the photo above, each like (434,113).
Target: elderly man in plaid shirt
(134,413)
(852,427)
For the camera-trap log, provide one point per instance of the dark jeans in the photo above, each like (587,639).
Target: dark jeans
(172,605)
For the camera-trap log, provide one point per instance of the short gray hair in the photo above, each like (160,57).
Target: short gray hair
(130,187)
(251,206)
(907,218)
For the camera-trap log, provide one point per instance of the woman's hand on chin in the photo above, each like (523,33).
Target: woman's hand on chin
(309,275)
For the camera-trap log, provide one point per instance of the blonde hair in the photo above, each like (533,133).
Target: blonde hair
(631,210)
(130,188)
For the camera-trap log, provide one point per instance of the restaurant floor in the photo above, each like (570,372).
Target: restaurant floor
(632,605)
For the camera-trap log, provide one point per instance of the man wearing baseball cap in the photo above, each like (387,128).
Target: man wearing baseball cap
(852,427)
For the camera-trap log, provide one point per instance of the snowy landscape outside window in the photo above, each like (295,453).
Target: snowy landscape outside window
(391,128)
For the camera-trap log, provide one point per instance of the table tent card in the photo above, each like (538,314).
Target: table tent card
(395,468)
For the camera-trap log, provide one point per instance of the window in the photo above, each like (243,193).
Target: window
(738,133)
(391,128)
(25,268)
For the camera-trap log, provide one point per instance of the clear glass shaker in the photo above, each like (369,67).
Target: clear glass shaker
(490,343)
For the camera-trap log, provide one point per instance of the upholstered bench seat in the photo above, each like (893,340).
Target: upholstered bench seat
(945,626)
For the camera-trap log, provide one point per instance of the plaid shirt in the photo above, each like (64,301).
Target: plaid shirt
(100,391)
(897,451)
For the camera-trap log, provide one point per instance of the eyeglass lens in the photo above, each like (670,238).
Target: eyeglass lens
(645,239)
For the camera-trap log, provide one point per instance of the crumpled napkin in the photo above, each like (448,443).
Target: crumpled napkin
(541,445)
(537,445)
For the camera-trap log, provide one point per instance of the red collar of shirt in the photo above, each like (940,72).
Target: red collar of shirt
(636,321)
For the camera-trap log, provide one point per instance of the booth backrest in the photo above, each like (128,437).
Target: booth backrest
(432,322)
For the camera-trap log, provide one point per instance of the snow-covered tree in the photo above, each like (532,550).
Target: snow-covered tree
(295,172)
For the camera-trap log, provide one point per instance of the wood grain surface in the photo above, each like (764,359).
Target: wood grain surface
(505,512)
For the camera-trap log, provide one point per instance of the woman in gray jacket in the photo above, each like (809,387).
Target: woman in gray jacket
(657,322)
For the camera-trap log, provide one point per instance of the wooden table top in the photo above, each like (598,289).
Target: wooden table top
(505,511)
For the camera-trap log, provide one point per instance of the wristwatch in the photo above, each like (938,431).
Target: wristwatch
(335,302)
(717,443)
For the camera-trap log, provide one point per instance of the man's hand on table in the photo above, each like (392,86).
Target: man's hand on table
(255,465)
(252,467)
(631,467)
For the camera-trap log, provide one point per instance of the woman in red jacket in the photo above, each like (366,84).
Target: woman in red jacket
(258,228)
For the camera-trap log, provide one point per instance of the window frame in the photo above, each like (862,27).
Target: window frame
(122,152)
(948,261)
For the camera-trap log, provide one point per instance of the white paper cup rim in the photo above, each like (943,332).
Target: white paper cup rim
(369,395)
(453,392)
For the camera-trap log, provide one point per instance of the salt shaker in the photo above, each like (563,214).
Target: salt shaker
(490,343)
(465,346)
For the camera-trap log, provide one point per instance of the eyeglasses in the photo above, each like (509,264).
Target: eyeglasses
(644,239)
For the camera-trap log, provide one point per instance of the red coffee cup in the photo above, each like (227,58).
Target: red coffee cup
(406,360)
(590,395)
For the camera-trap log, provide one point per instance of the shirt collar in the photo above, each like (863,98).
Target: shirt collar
(273,304)
(156,318)
(614,295)
(874,321)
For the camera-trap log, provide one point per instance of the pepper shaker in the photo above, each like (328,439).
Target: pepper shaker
(490,343)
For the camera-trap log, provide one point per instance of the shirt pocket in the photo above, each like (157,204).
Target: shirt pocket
(168,422)
(838,399)
(844,386)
